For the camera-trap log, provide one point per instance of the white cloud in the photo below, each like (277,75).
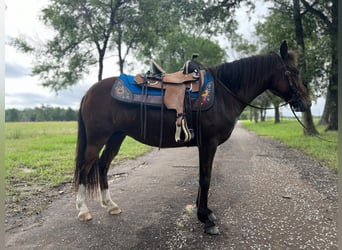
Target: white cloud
(22,98)
(14,70)
(21,89)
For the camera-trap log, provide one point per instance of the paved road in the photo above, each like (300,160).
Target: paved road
(265,196)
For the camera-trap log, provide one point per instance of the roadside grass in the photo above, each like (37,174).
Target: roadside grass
(41,155)
(290,132)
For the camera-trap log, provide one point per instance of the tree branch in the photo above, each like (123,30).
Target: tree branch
(317,13)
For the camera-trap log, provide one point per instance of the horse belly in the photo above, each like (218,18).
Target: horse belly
(147,128)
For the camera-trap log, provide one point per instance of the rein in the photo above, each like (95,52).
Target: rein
(244,102)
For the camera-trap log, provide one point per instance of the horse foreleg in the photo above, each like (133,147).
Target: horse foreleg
(204,214)
(110,151)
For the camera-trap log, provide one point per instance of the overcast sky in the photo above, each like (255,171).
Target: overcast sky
(23,90)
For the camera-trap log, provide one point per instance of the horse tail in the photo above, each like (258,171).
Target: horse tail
(80,149)
(90,177)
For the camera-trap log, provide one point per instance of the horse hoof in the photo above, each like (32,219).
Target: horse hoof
(212,230)
(84,216)
(114,211)
(212,217)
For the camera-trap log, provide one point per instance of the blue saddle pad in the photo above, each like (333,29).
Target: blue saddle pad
(126,90)
(136,89)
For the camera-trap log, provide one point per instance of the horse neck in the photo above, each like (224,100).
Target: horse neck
(249,77)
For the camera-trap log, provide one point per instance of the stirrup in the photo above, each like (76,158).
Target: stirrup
(188,133)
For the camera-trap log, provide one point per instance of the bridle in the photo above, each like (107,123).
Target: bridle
(287,74)
(294,89)
(295,96)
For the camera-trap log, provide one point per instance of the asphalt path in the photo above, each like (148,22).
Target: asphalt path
(264,195)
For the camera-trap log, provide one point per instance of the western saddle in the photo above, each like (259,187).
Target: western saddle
(176,86)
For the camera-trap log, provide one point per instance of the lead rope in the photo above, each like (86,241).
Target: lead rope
(302,124)
(242,101)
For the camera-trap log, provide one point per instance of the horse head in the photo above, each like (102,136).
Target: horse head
(288,84)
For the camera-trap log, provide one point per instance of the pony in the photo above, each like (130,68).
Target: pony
(103,124)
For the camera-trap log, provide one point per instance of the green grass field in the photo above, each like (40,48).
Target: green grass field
(41,154)
(290,132)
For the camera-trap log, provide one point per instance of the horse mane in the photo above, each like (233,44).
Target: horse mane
(293,57)
(242,73)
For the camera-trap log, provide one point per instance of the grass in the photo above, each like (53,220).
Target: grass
(41,155)
(291,133)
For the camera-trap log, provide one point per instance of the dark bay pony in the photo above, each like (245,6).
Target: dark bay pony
(104,123)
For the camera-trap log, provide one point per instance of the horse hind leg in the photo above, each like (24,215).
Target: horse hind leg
(84,213)
(87,181)
(111,150)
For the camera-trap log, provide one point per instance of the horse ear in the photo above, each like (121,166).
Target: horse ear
(283,50)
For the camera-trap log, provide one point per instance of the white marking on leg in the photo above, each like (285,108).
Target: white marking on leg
(107,202)
(84,214)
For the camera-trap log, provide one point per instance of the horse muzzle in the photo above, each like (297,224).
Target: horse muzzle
(300,105)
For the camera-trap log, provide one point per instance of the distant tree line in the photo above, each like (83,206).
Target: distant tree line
(42,113)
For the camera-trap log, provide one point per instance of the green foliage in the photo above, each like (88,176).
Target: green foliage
(42,113)
(243,46)
(179,47)
(84,31)
(279,26)
(291,133)
(42,154)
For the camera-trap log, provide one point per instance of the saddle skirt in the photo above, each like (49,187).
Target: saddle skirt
(125,89)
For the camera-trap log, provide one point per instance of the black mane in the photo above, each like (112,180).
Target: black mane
(241,73)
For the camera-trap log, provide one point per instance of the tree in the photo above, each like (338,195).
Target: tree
(322,17)
(327,13)
(275,101)
(84,31)
(43,113)
(310,128)
(11,115)
(81,29)
(178,47)
(299,26)
(262,101)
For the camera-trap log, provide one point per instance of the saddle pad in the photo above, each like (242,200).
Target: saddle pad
(126,90)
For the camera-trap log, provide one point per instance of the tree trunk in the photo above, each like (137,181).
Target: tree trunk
(307,116)
(100,72)
(332,107)
(276,114)
(307,120)
(119,47)
(250,114)
(256,116)
(333,81)
(332,29)
(262,115)
(325,115)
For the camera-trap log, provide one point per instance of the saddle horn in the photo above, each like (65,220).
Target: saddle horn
(192,66)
